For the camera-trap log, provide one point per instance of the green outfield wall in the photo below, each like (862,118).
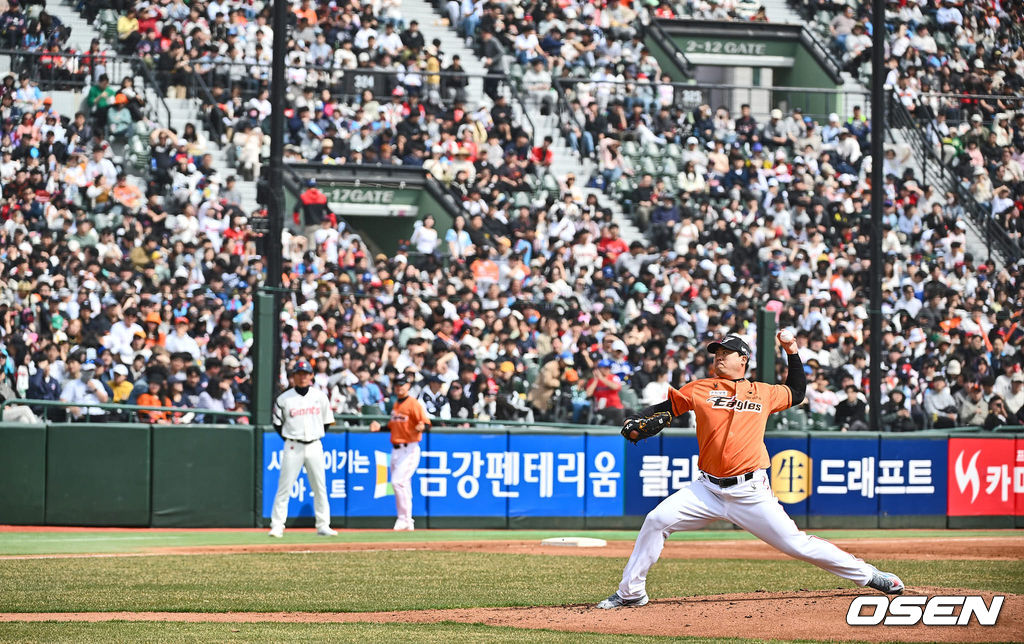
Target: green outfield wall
(495,476)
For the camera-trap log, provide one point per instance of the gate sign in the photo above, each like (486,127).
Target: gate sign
(985,477)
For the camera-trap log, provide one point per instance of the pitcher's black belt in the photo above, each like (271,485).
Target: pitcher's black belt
(729,481)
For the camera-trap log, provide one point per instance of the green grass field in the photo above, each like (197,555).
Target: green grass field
(59,542)
(441,633)
(387,580)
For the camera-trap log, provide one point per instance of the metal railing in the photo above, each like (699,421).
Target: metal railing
(347,85)
(963,111)
(936,172)
(678,57)
(824,55)
(348,421)
(71,71)
(117,407)
(344,84)
(476,423)
(817,103)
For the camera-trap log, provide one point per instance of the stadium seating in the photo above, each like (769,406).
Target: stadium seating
(771,214)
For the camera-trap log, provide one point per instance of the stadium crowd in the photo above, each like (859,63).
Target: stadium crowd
(527,308)
(957,66)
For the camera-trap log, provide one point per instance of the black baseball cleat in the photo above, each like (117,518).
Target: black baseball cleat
(886,582)
(618,602)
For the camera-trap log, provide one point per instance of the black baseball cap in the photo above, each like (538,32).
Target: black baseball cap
(731,343)
(302,365)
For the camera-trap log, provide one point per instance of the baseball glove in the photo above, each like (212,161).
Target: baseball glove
(638,428)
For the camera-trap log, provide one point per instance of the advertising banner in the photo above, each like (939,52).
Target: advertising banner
(844,471)
(339,464)
(984,478)
(478,475)
(911,477)
(790,472)
(644,491)
(466,475)
(605,476)
(1018,478)
(574,475)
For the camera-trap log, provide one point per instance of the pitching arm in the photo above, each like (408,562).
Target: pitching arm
(796,379)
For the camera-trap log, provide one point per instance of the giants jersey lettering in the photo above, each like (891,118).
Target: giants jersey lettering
(302,418)
(731,418)
(404,417)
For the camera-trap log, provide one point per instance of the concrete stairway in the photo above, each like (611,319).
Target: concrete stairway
(186,110)
(975,236)
(82,33)
(779,11)
(182,111)
(433,26)
(567,160)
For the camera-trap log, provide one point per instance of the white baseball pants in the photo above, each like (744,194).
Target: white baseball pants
(296,455)
(404,461)
(752,506)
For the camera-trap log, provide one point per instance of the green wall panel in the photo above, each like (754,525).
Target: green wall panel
(203,476)
(22,474)
(97,475)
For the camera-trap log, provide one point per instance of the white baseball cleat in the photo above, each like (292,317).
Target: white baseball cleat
(277,533)
(618,602)
(326,532)
(886,582)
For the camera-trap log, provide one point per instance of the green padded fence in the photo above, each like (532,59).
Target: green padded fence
(23,474)
(203,476)
(98,475)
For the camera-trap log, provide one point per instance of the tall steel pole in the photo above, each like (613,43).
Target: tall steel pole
(275,212)
(266,354)
(878,96)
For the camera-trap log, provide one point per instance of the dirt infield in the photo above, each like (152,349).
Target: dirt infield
(814,615)
(818,615)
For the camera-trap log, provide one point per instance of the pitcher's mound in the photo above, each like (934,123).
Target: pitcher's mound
(803,615)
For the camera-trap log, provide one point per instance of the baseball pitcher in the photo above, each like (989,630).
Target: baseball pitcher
(301,414)
(733,483)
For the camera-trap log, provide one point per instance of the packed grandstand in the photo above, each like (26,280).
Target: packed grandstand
(129,257)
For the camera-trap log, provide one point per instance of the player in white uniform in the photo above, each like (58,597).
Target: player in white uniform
(301,414)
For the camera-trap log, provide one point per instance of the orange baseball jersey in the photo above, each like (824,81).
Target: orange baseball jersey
(731,418)
(404,417)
